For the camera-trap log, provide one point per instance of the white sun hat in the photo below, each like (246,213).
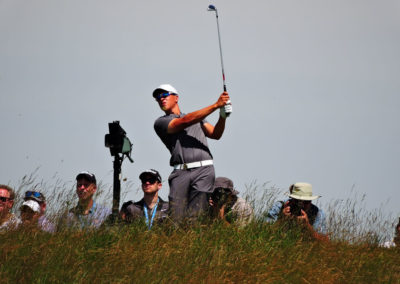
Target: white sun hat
(302,191)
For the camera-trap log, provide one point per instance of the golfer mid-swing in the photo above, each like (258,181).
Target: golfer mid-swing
(185,137)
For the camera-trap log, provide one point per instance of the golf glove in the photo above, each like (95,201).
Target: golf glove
(226,110)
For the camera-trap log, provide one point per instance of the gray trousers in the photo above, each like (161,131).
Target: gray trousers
(188,192)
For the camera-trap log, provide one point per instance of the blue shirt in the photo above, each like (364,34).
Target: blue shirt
(94,219)
(319,224)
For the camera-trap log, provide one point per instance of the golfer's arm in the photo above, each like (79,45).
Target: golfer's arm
(179,124)
(215,132)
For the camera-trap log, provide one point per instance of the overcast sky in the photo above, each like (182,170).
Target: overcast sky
(314,86)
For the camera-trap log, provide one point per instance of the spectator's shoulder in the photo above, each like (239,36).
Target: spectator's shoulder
(162,201)
(72,211)
(101,210)
(243,212)
(388,244)
(318,210)
(242,204)
(164,205)
(125,205)
(133,208)
(278,205)
(275,211)
(46,225)
(15,219)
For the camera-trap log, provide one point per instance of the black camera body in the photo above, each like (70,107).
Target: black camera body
(296,206)
(219,196)
(117,141)
(223,196)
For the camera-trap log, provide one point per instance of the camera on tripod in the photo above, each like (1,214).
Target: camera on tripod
(117,141)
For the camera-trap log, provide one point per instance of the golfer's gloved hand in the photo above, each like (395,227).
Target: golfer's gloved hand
(226,110)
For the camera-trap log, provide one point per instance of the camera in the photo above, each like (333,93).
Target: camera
(117,141)
(296,206)
(223,196)
(220,196)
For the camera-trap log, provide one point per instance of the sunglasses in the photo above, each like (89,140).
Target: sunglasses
(4,199)
(151,180)
(33,194)
(162,95)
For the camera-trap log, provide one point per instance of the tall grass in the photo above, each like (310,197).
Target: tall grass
(349,220)
(201,253)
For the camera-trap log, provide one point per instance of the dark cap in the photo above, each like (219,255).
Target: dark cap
(151,172)
(87,176)
(225,183)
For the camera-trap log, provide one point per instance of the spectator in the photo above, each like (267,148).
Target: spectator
(300,208)
(7,219)
(87,213)
(185,137)
(226,205)
(151,208)
(33,212)
(396,240)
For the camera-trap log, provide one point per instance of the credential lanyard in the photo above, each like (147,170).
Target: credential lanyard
(150,223)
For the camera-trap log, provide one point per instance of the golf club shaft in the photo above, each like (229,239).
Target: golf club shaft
(228,107)
(220,52)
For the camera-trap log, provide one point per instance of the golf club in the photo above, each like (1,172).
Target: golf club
(212,8)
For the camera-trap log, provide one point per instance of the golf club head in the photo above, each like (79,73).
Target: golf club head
(211,8)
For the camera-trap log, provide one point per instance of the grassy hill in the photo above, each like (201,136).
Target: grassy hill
(214,253)
(208,253)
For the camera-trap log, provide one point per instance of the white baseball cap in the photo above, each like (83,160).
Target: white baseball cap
(32,204)
(163,88)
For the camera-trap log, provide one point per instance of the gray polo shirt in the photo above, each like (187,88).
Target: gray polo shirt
(187,146)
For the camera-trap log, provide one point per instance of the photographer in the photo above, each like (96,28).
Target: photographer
(396,240)
(300,208)
(227,206)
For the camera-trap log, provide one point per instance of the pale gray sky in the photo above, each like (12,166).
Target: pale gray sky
(314,85)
